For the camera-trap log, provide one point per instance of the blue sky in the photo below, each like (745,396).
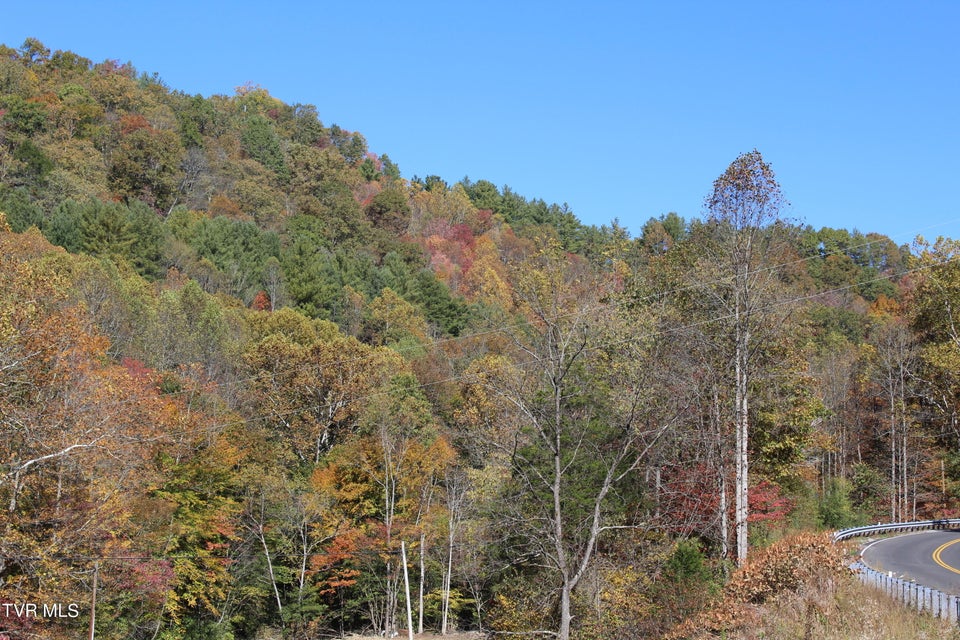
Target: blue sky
(623,110)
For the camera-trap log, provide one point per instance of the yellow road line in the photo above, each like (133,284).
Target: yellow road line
(939,560)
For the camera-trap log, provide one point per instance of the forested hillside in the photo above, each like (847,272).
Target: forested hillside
(256,383)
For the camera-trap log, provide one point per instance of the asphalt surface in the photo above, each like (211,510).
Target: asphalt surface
(930,558)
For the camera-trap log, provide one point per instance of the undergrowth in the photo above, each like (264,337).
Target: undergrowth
(800,588)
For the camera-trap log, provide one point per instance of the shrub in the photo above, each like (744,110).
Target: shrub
(790,566)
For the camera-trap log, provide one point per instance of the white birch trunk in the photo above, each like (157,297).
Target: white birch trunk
(446,581)
(423,571)
(406,588)
(742,437)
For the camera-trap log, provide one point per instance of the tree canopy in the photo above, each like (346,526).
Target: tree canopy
(250,376)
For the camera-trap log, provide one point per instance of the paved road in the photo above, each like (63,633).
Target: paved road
(931,558)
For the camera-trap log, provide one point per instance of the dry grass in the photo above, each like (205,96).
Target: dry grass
(843,610)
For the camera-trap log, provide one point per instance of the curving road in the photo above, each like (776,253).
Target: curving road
(930,558)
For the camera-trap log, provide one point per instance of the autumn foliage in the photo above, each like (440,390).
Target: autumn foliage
(245,365)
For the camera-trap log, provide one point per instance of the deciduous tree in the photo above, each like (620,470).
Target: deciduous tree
(571,417)
(744,212)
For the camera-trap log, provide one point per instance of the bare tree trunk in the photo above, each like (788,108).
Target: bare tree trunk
(423,571)
(904,473)
(723,504)
(566,618)
(273,577)
(742,440)
(658,487)
(456,488)
(724,517)
(446,580)
(14,491)
(389,498)
(93,603)
(894,446)
(406,588)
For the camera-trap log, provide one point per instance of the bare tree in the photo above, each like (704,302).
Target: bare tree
(744,219)
(574,418)
(895,364)
(456,484)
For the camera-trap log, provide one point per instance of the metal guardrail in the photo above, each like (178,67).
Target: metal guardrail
(923,599)
(895,527)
